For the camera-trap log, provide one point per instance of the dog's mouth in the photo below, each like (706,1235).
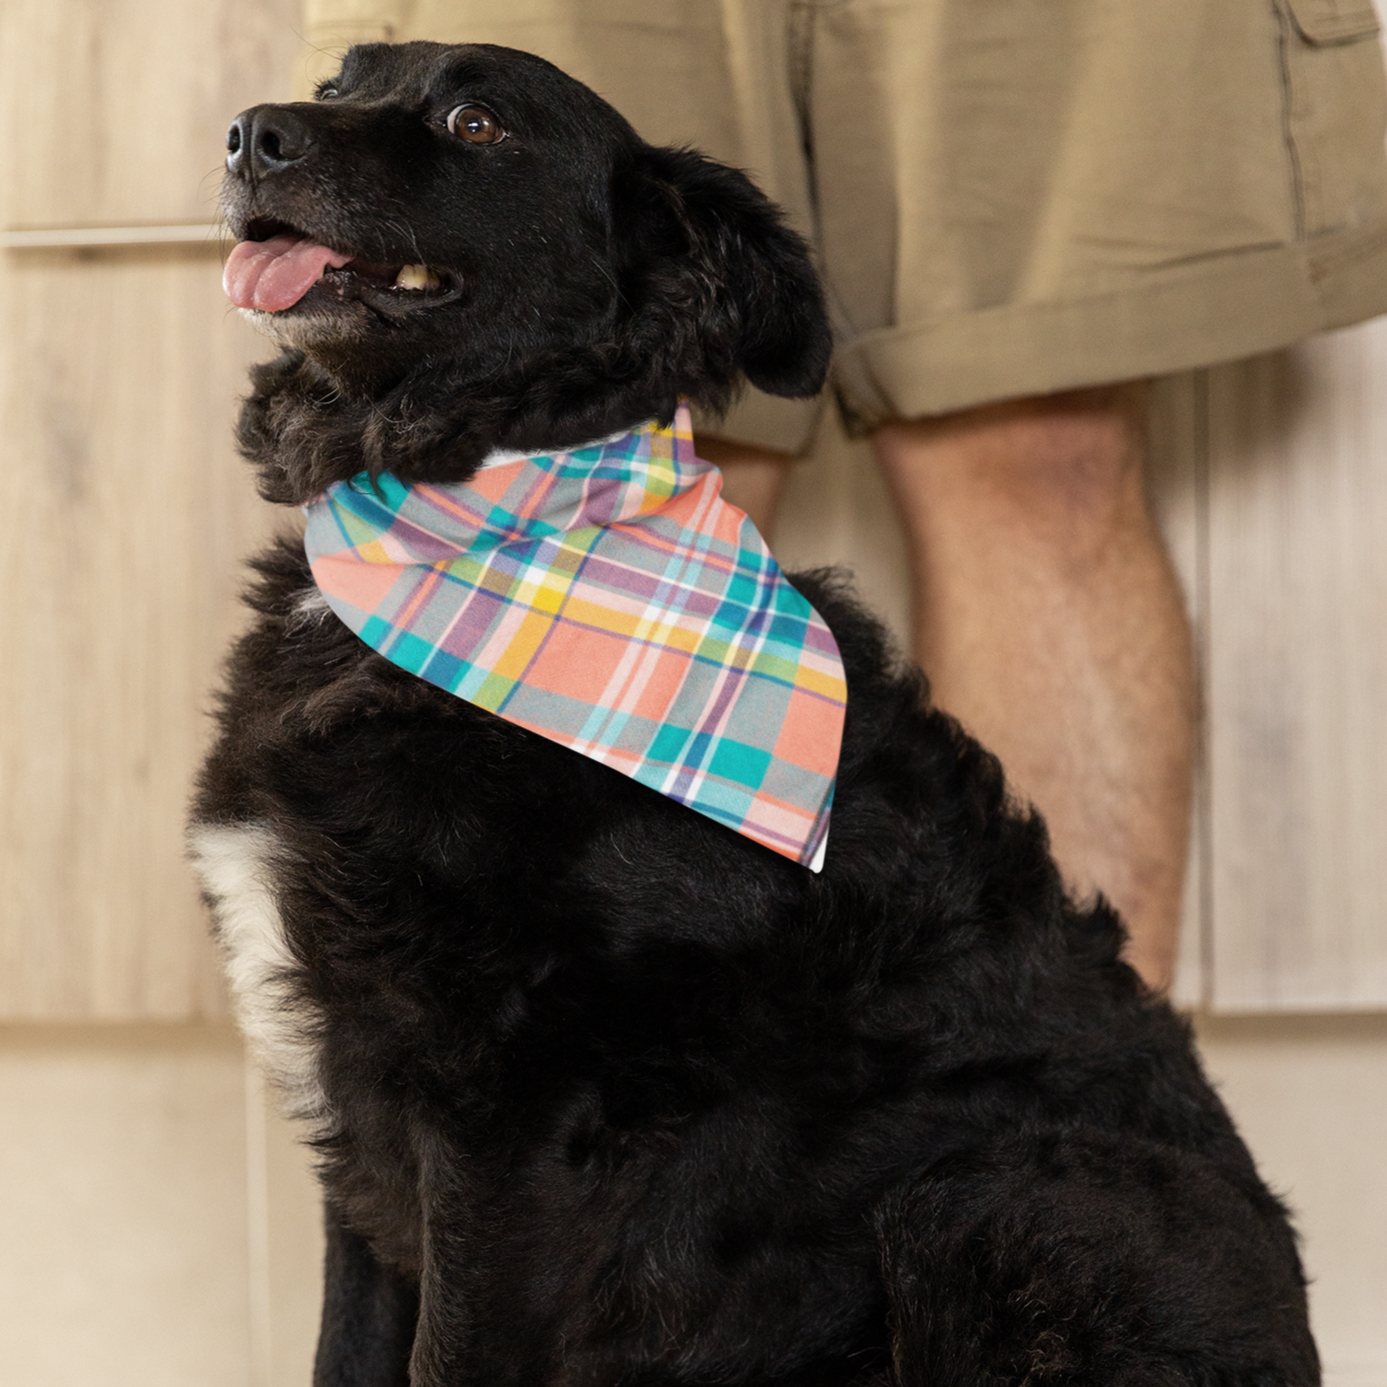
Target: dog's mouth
(277,265)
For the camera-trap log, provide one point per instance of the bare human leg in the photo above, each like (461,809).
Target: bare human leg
(1048,618)
(1049,621)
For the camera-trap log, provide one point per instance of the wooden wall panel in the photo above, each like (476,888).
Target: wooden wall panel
(117,399)
(115,111)
(128,515)
(1297,677)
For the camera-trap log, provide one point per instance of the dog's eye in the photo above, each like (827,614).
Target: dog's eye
(325,93)
(476,125)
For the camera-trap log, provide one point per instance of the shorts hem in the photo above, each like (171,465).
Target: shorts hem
(1219,310)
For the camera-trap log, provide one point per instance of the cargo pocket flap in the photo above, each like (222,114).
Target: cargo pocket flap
(1333,21)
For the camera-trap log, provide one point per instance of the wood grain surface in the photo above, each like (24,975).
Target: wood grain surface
(129,514)
(127,520)
(1297,677)
(116,110)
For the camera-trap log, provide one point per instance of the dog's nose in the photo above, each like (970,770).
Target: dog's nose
(266,140)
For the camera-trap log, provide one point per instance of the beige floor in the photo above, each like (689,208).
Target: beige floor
(123,1251)
(157,1231)
(1310,1094)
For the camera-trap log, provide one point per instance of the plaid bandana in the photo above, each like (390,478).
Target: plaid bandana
(609,599)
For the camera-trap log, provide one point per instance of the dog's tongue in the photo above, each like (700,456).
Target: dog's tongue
(274,275)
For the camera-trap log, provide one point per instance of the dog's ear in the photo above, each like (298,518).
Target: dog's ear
(710,273)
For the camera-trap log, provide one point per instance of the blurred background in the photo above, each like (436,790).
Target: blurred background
(158,1223)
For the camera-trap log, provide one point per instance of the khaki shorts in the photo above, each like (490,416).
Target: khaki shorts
(1008,197)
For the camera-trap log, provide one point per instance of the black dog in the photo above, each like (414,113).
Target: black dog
(606,1093)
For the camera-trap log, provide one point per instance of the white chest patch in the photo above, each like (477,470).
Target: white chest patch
(310,607)
(237,866)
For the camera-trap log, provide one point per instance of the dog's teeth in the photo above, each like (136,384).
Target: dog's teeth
(416,277)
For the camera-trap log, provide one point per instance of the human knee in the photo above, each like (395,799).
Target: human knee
(1065,468)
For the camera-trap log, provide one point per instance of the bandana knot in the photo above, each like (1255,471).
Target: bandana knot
(609,599)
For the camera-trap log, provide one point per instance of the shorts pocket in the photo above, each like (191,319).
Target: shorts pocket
(1333,21)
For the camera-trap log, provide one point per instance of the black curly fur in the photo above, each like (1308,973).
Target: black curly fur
(615,1097)
(601,277)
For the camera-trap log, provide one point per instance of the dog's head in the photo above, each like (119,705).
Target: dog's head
(463,248)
